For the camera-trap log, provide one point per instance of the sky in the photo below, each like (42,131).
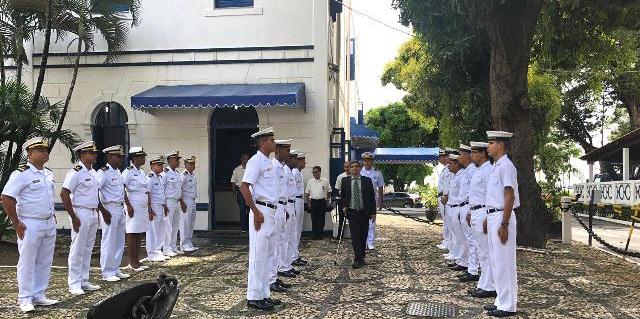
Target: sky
(376,44)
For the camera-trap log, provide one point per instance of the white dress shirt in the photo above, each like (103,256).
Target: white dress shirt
(478,189)
(318,188)
(172,183)
(189,184)
(339,180)
(83,184)
(236,177)
(261,174)
(33,191)
(155,184)
(455,192)
(503,174)
(136,183)
(110,185)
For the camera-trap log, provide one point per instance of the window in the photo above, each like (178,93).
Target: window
(120,8)
(233,3)
(110,128)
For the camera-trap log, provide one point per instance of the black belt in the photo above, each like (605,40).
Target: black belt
(282,202)
(266,204)
(477,207)
(493,210)
(291,201)
(459,205)
(299,196)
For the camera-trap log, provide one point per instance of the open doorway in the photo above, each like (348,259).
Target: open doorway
(109,128)
(229,137)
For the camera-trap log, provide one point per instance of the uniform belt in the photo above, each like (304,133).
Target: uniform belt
(292,201)
(266,204)
(113,203)
(493,210)
(37,218)
(459,205)
(281,202)
(299,196)
(477,207)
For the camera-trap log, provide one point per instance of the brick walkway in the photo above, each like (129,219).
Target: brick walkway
(566,282)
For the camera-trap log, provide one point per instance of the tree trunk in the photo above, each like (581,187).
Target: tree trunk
(45,55)
(65,108)
(511,28)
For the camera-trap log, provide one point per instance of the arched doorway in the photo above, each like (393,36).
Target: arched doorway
(229,137)
(109,127)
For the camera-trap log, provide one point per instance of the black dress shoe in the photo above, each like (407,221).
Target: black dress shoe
(469,278)
(282,283)
(287,274)
(296,272)
(484,294)
(277,288)
(464,274)
(489,307)
(302,261)
(356,265)
(501,313)
(452,265)
(473,290)
(259,304)
(273,301)
(459,268)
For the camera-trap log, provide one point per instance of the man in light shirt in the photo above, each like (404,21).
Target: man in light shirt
(318,191)
(236,181)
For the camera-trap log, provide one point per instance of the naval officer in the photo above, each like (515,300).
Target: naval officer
(299,205)
(189,195)
(137,200)
(27,199)
(378,185)
(443,160)
(471,274)
(155,232)
(455,201)
(173,193)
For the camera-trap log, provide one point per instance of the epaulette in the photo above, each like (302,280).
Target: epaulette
(77,168)
(166,169)
(185,172)
(130,167)
(48,169)
(104,168)
(23,167)
(150,174)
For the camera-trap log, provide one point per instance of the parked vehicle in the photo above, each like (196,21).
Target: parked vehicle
(401,199)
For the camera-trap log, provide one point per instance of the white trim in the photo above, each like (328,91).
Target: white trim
(615,221)
(212,11)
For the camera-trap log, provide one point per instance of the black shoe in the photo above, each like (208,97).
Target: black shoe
(484,294)
(464,274)
(357,265)
(469,278)
(282,284)
(452,265)
(364,262)
(259,304)
(500,313)
(489,307)
(296,263)
(277,288)
(296,272)
(459,268)
(302,261)
(471,291)
(273,301)
(287,274)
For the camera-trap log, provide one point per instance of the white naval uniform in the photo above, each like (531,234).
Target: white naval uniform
(33,191)
(286,259)
(443,184)
(188,219)
(173,193)
(299,207)
(111,190)
(472,256)
(503,256)
(155,233)
(378,181)
(459,244)
(477,197)
(82,182)
(279,239)
(135,183)
(260,174)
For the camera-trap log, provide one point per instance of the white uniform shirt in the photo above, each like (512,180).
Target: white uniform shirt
(110,185)
(236,177)
(291,183)
(455,193)
(83,184)
(503,174)
(155,184)
(33,191)
(189,184)
(262,177)
(478,189)
(442,179)
(172,183)
(299,181)
(376,179)
(339,180)
(281,180)
(318,188)
(448,177)
(135,182)
(466,185)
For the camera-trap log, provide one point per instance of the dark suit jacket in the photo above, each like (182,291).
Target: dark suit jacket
(368,194)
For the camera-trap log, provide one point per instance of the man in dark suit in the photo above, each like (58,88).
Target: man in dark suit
(358,201)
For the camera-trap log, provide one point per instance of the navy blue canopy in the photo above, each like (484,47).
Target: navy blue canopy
(363,137)
(412,155)
(289,95)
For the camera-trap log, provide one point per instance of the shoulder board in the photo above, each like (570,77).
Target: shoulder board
(104,168)
(150,175)
(185,172)
(166,169)
(23,168)
(130,167)
(48,169)
(77,168)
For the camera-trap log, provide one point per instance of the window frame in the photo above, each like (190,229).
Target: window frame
(212,11)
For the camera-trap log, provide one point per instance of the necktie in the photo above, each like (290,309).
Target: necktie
(357,205)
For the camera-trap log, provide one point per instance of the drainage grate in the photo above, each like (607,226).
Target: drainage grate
(432,310)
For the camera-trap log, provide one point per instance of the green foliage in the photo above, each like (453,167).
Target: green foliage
(428,195)
(398,126)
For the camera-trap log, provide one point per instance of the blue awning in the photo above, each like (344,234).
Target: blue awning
(290,95)
(414,155)
(363,137)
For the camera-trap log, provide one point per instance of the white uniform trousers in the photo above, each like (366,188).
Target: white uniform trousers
(155,232)
(472,252)
(482,244)
(36,257)
(459,242)
(187,223)
(503,262)
(172,225)
(81,247)
(299,206)
(112,242)
(279,243)
(371,236)
(445,225)
(286,258)
(260,247)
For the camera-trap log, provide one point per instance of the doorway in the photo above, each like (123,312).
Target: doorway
(230,132)
(109,128)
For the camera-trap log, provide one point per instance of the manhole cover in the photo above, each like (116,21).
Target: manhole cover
(432,310)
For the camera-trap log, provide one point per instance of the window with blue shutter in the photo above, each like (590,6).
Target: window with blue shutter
(233,3)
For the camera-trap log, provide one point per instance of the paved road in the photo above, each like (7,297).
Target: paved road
(568,282)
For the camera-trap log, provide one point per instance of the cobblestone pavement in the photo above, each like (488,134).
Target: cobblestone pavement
(564,282)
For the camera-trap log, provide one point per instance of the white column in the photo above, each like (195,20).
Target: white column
(566,220)
(590,172)
(625,164)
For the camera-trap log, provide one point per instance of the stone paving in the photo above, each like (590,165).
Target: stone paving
(563,282)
